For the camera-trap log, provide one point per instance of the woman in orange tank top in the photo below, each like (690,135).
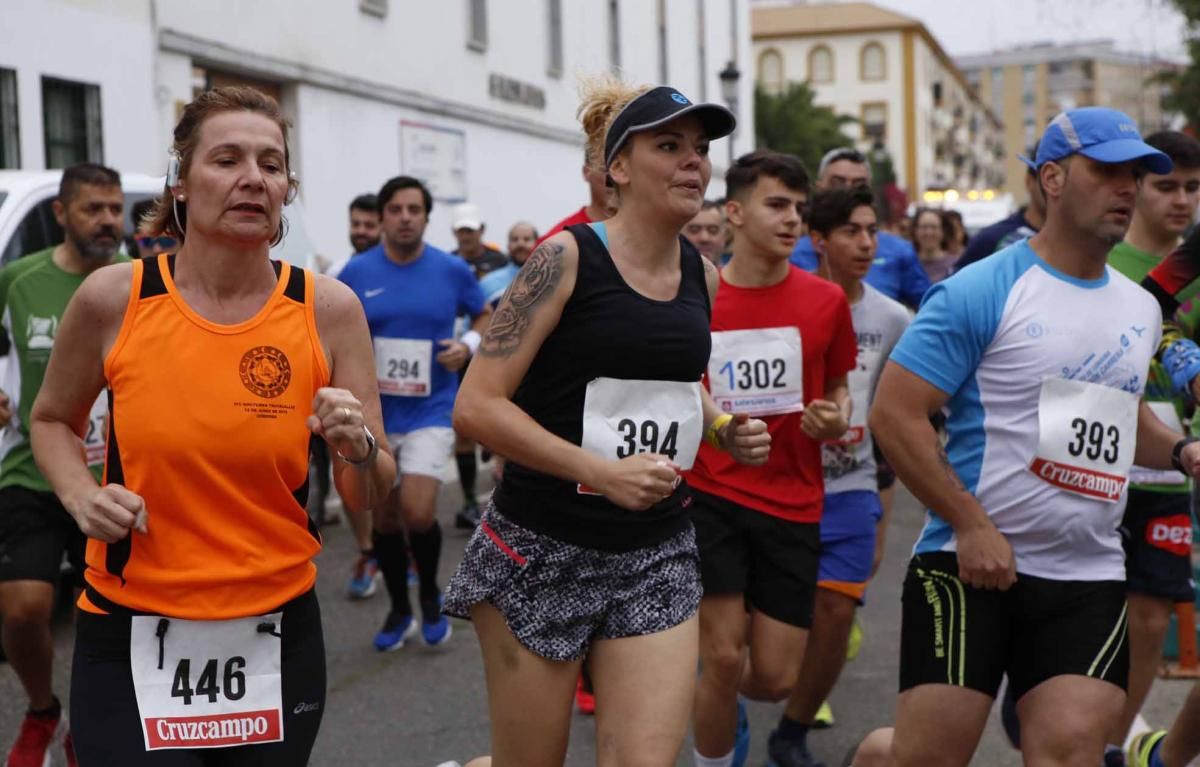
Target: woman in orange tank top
(199,628)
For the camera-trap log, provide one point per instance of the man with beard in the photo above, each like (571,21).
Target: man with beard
(364,230)
(35,530)
(521,239)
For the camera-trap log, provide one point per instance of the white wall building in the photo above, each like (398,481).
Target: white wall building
(477,97)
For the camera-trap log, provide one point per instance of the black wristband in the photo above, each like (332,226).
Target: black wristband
(1177,452)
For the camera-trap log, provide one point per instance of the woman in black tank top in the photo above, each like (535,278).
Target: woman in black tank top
(588,383)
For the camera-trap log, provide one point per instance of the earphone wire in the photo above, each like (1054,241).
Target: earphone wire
(175,212)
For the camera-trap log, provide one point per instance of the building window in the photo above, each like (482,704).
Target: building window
(554,33)
(820,64)
(702,38)
(770,71)
(663,72)
(10,134)
(872,64)
(874,121)
(998,90)
(477,37)
(71,120)
(614,35)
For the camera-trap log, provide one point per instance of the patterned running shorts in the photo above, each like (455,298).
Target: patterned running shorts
(558,598)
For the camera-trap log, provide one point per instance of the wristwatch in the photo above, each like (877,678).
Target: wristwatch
(372,451)
(1177,452)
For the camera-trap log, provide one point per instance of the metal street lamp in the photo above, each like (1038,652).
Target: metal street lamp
(729,92)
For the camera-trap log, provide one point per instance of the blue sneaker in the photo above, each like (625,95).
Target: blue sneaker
(397,630)
(365,580)
(436,632)
(741,742)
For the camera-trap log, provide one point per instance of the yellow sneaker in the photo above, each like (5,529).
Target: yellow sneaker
(856,639)
(824,717)
(1142,748)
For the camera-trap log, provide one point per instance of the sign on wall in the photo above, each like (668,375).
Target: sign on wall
(437,156)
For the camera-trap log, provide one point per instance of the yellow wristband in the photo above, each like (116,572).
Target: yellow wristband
(713,435)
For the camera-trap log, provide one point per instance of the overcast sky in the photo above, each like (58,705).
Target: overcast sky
(977,26)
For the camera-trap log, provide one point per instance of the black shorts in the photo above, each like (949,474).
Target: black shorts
(105,724)
(955,634)
(772,561)
(1157,534)
(557,598)
(35,532)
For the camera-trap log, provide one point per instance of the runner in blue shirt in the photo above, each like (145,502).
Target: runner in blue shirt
(896,272)
(412,292)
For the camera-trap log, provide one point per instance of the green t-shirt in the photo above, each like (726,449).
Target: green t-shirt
(1135,264)
(34,293)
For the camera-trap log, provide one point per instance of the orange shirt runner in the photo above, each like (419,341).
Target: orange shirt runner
(207,424)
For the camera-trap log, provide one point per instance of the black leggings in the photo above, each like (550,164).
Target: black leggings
(105,725)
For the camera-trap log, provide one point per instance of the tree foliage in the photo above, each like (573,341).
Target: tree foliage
(792,122)
(1184,96)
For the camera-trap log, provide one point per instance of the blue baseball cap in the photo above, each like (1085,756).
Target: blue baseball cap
(1102,134)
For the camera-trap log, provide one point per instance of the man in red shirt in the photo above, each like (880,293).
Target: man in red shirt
(599,208)
(783,344)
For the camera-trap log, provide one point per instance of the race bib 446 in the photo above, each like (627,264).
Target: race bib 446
(207,684)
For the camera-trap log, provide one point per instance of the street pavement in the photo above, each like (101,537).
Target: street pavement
(419,706)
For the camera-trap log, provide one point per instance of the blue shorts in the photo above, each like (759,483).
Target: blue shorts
(848,542)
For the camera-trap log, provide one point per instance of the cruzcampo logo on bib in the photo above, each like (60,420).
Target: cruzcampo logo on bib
(1086,435)
(207,684)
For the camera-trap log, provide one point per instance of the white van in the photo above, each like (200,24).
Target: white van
(27,222)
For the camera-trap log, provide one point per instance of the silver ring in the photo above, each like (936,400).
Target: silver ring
(346,410)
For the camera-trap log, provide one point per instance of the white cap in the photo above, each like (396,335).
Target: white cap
(466,216)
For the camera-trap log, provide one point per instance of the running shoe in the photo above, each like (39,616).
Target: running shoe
(856,639)
(782,752)
(34,741)
(824,718)
(365,580)
(435,632)
(1142,749)
(585,699)
(741,742)
(468,518)
(1114,757)
(397,630)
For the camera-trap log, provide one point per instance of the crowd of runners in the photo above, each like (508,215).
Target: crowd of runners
(696,413)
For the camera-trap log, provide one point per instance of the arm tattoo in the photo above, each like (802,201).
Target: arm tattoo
(535,282)
(945,459)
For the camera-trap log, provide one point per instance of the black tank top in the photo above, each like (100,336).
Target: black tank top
(607,330)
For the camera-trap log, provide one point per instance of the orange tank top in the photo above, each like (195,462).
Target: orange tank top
(207,424)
